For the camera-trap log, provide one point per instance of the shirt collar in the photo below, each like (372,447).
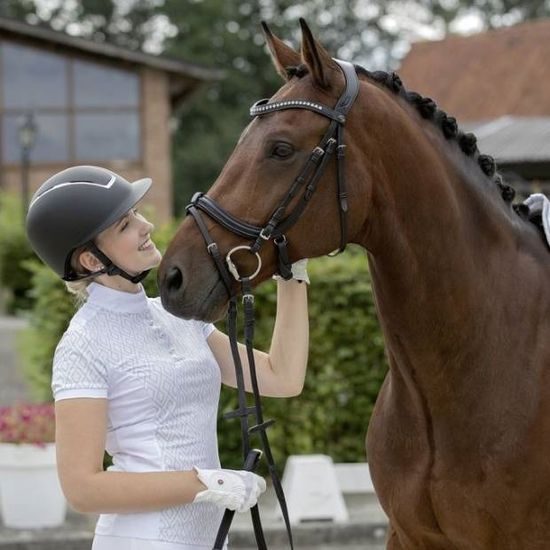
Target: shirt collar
(116,300)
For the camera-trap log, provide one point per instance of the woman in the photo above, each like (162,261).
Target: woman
(131,378)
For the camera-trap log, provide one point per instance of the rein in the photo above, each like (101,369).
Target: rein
(276,227)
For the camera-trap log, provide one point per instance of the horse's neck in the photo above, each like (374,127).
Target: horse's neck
(443,256)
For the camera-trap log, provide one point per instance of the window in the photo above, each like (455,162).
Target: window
(83,110)
(51,142)
(98,86)
(102,136)
(32,78)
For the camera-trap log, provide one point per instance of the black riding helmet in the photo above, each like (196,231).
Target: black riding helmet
(71,208)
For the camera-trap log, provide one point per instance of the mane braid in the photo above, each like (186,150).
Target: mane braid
(467,142)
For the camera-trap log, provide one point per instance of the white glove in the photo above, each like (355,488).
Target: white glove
(233,489)
(299,271)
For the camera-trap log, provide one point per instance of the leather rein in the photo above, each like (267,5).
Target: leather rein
(275,229)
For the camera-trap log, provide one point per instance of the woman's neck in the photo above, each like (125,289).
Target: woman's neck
(116,282)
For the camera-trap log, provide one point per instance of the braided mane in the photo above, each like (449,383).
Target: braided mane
(467,142)
(428,110)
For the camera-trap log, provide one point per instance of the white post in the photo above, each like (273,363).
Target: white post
(312,491)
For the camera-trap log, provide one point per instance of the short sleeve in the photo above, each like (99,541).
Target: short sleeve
(77,371)
(207,329)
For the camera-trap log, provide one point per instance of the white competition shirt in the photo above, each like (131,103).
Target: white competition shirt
(162,384)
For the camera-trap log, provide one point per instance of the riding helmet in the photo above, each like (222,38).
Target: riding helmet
(72,207)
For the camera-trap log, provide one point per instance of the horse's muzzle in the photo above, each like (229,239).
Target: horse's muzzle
(206,301)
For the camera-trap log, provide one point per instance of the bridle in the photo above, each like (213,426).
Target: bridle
(276,227)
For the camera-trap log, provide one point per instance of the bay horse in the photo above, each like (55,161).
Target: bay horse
(459,440)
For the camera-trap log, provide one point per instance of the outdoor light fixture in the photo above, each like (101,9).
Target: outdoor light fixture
(27,137)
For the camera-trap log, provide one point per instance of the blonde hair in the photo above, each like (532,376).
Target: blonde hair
(79,288)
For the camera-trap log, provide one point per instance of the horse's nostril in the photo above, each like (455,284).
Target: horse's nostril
(174,279)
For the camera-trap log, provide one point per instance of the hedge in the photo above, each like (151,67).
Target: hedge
(346,366)
(15,277)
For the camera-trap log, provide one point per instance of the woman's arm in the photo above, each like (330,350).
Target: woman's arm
(280,373)
(81,426)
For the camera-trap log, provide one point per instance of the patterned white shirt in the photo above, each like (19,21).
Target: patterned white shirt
(162,384)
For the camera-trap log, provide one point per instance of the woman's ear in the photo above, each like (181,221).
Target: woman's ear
(89,261)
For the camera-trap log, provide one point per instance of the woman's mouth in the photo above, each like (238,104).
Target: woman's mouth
(147,245)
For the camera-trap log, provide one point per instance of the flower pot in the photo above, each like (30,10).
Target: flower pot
(30,493)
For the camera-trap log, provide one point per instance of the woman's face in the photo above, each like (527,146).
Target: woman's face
(128,243)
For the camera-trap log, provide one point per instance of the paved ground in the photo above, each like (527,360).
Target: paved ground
(77,534)
(366,530)
(12,385)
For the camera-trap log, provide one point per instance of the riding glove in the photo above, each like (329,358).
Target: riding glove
(299,271)
(233,489)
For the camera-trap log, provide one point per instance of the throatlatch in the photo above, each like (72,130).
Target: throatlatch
(275,228)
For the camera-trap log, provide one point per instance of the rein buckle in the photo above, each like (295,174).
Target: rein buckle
(265,233)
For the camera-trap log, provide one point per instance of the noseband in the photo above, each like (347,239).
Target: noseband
(278,224)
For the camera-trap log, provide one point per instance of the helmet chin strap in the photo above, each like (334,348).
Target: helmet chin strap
(110,268)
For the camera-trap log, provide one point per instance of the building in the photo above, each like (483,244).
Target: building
(496,84)
(89,103)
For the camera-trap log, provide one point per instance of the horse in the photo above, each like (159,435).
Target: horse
(459,440)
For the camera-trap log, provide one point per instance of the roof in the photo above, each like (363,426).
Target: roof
(511,139)
(185,76)
(500,72)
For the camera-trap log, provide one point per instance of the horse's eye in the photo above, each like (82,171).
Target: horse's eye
(282,150)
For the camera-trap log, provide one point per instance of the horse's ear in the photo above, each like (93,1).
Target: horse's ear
(315,56)
(283,56)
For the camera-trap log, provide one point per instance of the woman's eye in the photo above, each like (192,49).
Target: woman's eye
(282,151)
(126,222)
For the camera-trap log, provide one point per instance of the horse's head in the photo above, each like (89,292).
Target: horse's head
(277,147)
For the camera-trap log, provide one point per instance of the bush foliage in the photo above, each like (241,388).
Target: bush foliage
(346,365)
(15,277)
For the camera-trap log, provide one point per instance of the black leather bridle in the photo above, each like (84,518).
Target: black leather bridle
(276,227)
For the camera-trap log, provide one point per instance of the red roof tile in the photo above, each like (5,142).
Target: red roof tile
(484,76)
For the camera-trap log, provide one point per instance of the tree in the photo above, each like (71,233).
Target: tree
(128,24)
(227,34)
(489,13)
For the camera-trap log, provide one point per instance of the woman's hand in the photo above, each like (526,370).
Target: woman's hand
(299,271)
(232,489)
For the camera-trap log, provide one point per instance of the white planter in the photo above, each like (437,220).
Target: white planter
(30,493)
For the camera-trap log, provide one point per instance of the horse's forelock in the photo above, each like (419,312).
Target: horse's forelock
(298,71)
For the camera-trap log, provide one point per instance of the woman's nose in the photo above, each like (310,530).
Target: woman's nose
(147,226)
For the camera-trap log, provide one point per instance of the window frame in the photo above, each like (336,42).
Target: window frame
(71,111)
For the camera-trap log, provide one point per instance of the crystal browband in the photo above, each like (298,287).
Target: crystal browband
(262,107)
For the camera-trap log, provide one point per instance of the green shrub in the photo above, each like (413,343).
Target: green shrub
(15,250)
(49,317)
